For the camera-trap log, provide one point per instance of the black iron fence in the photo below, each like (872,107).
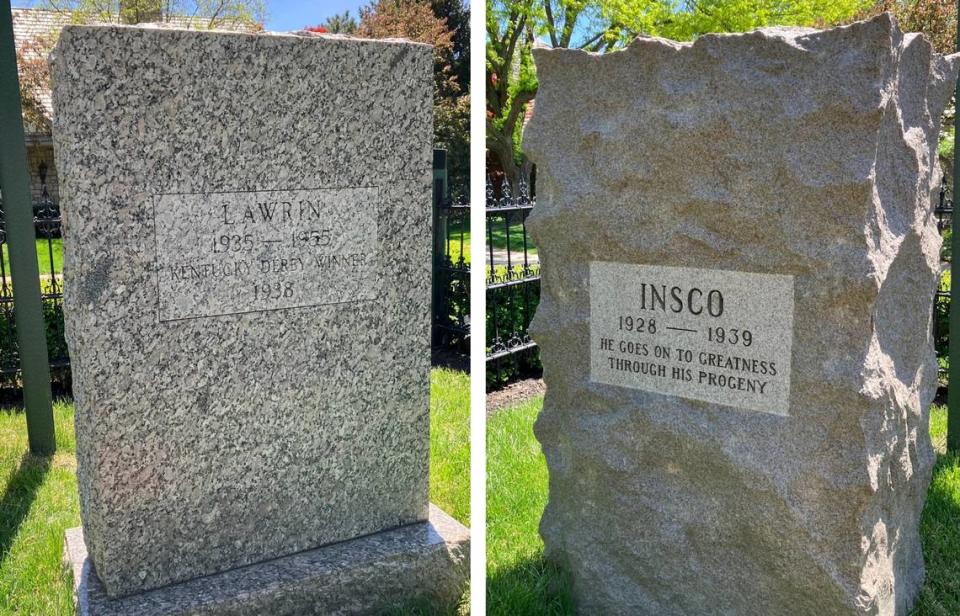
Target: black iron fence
(46,217)
(513,284)
(451,279)
(451,261)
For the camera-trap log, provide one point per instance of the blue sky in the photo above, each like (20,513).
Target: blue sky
(283,14)
(295,14)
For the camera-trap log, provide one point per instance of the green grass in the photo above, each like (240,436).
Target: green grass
(520,582)
(39,499)
(450,442)
(497,237)
(940,528)
(453,239)
(39,502)
(43,256)
(945,145)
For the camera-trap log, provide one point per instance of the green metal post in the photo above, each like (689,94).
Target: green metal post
(439,230)
(21,239)
(439,193)
(953,391)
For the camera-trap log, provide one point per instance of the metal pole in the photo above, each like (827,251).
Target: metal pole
(439,239)
(21,239)
(953,391)
(440,193)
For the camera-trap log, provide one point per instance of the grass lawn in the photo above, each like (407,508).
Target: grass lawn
(450,442)
(453,238)
(497,237)
(39,497)
(43,256)
(520,582)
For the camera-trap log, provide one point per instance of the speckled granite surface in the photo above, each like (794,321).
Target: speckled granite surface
(296,416)
(367,575)
(803,154)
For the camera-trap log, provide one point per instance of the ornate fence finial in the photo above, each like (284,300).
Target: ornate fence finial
(506,194)
(524,193)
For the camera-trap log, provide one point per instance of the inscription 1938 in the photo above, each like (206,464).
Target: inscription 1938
(232,252)
(713,335)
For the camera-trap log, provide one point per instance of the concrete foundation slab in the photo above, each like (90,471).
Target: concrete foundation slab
(367,575)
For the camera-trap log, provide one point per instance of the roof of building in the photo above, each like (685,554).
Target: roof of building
(31,23)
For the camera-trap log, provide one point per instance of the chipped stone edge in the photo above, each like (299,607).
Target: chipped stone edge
(287,579)
(297,34)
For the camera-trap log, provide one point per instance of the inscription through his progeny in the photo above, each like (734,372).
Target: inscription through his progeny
(713,335)
(232,252)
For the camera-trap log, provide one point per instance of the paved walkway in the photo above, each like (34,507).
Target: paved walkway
(516,257)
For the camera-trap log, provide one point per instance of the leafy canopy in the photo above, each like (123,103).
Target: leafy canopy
(430,22)
(202,13)
(514,26)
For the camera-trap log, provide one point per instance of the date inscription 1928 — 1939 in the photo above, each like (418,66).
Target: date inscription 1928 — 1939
(234,252)
(712,335)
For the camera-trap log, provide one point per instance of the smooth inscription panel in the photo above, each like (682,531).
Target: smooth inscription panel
(234,252)
(713,335)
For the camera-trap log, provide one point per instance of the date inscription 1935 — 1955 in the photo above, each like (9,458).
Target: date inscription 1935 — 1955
(713,335)
(234,252)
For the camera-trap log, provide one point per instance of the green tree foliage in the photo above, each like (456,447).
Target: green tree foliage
(457,17)
(686,19)
(417,20)
(511,81)
(341,23)
(34,74)
(513,26)
(203,13)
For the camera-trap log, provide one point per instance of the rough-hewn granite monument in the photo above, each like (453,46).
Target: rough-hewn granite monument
(247,264)
(739,266)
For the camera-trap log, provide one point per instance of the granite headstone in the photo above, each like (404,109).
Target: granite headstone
(739,262)
(247,290)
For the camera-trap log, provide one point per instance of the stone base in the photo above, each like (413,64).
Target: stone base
(367,575)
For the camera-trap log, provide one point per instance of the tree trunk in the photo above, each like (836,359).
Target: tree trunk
(502,148)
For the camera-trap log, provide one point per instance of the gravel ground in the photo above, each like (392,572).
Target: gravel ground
(513,394)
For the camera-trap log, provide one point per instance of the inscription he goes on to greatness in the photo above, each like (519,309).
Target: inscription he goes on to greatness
(225,253)
(713,335)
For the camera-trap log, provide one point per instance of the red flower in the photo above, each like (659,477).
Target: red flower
(319,29)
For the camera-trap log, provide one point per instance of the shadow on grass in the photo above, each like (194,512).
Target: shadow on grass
(11,389)
(532,586)
(497,237)
(424,606)
(443,357)
(21,491)
(940,535)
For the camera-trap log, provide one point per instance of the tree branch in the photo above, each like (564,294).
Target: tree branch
(569,21)
(551,24)
(215,14)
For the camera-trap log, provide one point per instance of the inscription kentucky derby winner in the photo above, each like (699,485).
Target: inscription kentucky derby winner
(712,335)
(232,252)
